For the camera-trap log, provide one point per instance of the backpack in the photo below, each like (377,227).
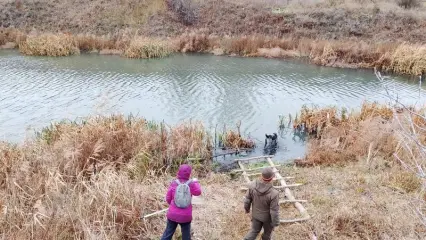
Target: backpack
(183,194)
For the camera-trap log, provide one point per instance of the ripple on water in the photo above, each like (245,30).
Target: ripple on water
(215,90)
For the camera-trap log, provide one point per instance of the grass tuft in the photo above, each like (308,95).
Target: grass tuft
(49,45)
(147,48)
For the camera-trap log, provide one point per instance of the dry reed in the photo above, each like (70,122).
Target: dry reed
(49,45)
(147,48)
(395,57)
(114,141)
(43,196)
(340,138)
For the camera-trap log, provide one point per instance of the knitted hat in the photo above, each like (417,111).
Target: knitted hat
(267,174)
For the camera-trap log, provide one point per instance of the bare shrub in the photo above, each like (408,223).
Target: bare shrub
(184,9)
(408,3)
(193,42)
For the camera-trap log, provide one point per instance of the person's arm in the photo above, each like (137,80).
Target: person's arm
(275,211)
(247,201)
(195,188)
(169,195)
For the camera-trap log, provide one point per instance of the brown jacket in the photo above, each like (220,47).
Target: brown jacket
(265,202)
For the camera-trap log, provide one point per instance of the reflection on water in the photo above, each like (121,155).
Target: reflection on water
(216,90)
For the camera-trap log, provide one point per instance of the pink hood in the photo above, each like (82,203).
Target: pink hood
(178,214)
(184,172)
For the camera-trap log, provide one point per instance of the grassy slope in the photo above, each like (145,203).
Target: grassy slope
(339,33)
(318,20)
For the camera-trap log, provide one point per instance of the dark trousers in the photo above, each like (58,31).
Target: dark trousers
(256,227)
(171,228)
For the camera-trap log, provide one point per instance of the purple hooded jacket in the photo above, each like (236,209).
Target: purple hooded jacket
(174,213)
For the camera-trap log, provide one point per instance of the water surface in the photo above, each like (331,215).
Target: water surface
(216,90)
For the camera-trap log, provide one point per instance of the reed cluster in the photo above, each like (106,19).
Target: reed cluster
(147,48)
(49,45)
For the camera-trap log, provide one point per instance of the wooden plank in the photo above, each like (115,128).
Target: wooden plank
(254,169)
(258,173)
(289,195)
(279,187)
(288,186)
(244,172)
(291,201)
(295,220)
(253,158)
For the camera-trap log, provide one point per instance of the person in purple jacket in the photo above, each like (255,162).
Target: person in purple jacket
(180,216)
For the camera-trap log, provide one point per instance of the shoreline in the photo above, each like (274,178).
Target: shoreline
(394,58)
(126,176)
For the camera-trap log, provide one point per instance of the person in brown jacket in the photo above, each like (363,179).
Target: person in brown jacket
(265,209)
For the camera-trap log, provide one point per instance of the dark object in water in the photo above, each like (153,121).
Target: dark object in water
(271,144)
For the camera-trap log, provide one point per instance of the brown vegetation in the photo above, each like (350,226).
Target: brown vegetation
(399,58)
(343,138)
(94,179)
(147,48)
(342,33)
(49,45)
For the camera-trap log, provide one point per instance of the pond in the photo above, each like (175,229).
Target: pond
(216,90)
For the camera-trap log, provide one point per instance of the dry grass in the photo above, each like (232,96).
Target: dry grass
(409,59)
(114,141)
(49,45)
(352,202)
(342,137)
(394,57)
(147,48)
(49,187)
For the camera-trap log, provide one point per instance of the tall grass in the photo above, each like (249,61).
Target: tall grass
(340,137)
(113,141)
(49,45)
(400,58)
(147,48)
(94,179)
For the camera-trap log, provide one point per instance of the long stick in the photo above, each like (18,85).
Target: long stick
(155,213)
